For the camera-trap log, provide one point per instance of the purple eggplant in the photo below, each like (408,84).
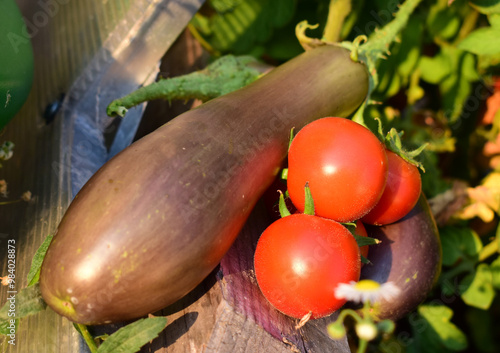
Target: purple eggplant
(156,219)
(409,256)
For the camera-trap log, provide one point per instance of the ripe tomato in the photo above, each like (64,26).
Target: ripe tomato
(345,165)
(299,261)
(401,192)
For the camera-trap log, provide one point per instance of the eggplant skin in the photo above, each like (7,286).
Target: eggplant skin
(409,255)
(156,219)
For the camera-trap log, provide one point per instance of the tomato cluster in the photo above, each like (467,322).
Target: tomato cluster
(301,258)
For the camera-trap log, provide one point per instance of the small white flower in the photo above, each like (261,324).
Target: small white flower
(366,330)
(366,290)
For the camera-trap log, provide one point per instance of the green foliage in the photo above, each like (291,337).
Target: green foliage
(478,288)
(36,262)
(26,302)
(435,333)
(237,26)
(486,6)
(482,41)
(459,244)
(131,338)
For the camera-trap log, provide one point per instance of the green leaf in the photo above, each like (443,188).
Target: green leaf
(131,338)
(494,20)
(486,6)
(239,27)
(36,263)
(396,69)
(458,244)
(27,301)
(362,241)
(495,273)
(482,41)
(309,201)
(284,211)
(481,329)
(438,330)
(479,291)
(434,70)
(8,327)
(443,23)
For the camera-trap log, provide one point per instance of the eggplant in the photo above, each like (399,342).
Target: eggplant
(157,218)
(409,255)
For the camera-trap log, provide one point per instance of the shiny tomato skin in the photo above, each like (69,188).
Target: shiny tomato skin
(401,193)
(345,165)
(299,261)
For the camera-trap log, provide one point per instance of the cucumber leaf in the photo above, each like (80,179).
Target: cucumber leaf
(131,338)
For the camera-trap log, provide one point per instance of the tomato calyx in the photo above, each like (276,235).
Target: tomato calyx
(392,141)
(309,210)
(361,240)
(308,207)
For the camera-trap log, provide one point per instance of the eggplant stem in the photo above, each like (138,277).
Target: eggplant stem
(84,331)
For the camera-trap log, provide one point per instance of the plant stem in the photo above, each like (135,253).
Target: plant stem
(489,250)
(87,337)
(10,202)
(468,25)
(351,312)
(363,344)
(337,12)
(224,75)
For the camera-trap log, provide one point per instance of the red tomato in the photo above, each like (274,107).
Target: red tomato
(299,261)
(401,192)
(345,165)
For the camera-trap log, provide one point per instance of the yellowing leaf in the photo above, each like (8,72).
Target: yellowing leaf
(484,199)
